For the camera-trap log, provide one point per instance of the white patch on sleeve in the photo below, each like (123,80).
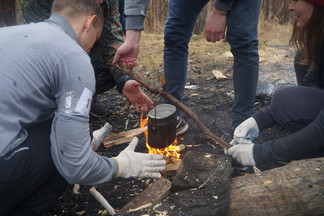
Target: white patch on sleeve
(68,102)
(84,104)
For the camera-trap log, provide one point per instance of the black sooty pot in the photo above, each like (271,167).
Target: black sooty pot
(162,126)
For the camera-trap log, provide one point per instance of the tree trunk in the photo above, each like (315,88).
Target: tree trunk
(276,10)
(294,189)
(9,12)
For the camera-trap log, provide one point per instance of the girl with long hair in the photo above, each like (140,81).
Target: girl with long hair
(299,109)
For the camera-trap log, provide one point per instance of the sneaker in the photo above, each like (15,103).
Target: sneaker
(98,110)
(181,126)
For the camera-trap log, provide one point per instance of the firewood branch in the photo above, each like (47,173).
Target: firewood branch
(180,105)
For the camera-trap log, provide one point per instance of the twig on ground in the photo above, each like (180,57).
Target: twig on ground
(102,200)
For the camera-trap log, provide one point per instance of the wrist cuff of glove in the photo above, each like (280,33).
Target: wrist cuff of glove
(118,173)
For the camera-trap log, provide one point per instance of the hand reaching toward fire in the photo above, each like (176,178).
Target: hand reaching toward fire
(135,164)
(136,96)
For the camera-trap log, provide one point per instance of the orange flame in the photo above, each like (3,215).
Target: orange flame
(169,151)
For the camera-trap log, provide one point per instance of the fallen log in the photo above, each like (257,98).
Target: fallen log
(163,92)
(294,189)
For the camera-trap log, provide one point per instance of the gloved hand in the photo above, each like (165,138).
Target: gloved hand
(99,135)
(246,131)
(232,143)
(243,153)
(135,164)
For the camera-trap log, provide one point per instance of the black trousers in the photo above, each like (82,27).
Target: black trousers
(29,181)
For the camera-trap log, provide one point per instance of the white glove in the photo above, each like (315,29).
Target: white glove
(243,153)
(99,135)
(232,143)
(246,131)
(135,164)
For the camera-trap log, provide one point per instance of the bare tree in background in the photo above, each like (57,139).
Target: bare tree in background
(7,13)
(271,11)
(156,16)
(276,10)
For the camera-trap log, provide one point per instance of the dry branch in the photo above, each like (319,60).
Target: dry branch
(180,105)
(102,200)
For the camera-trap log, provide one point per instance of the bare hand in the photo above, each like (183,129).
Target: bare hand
(215,25)
(127,53)
(136,96)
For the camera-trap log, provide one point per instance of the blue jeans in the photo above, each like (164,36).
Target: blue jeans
(242,35)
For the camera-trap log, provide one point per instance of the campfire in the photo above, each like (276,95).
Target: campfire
(170,152)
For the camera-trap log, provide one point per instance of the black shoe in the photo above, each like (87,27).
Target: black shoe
(98,110)
(181,126)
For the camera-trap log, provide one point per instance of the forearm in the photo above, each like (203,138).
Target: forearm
(264,118)
(73,156)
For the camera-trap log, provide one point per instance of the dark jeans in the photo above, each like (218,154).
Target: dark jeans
(293,107)
(242,34)
(121,5)
(29,181)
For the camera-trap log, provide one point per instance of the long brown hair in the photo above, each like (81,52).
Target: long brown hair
(308,40)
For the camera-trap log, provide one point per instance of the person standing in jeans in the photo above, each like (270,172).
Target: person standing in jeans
(238,18)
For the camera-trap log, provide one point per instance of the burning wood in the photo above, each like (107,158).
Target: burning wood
(170,152)
(123,137)
(173,166)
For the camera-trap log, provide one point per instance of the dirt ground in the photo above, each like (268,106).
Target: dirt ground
(210,99)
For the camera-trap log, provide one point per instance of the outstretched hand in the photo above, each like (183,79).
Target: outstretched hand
(127,53)
(136,96)
(135,164)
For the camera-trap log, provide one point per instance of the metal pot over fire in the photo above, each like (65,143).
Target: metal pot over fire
(162,126)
